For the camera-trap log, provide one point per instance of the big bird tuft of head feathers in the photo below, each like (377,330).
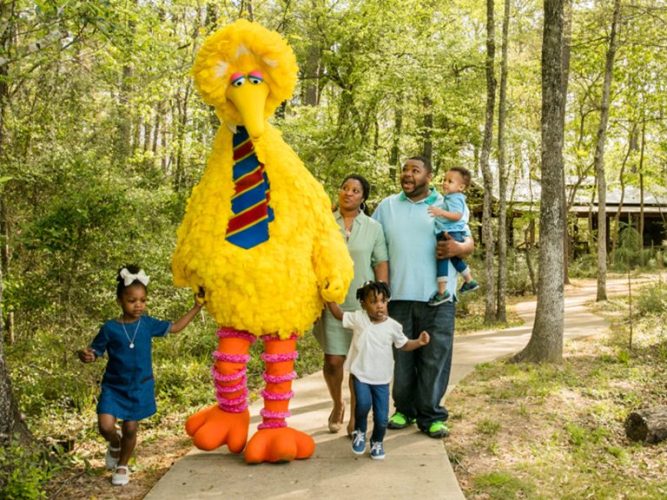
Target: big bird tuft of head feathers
(243,47)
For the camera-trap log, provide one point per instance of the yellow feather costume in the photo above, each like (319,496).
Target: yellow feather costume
(278,287)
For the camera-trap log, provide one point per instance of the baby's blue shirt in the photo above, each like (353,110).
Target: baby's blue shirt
(454,202)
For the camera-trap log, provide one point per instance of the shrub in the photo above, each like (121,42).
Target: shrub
(652,300)
(23,473)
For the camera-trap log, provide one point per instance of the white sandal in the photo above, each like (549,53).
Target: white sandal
(109,460)
(118,478)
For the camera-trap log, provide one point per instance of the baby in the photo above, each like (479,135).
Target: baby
(451,217)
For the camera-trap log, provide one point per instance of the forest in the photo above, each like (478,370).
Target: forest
(103,136)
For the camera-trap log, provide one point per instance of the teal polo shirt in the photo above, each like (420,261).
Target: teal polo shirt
(410,235)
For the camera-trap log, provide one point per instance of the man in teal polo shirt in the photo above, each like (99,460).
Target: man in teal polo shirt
(420,377)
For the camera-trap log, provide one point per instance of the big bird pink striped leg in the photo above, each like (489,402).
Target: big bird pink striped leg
(227,422)
(274,441)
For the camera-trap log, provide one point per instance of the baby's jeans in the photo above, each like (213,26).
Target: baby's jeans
(458,263)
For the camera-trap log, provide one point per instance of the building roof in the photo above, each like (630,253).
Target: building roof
(526,192)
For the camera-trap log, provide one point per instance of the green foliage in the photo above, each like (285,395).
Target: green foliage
(628,254)
(652,300)
(583,267)
(23,473)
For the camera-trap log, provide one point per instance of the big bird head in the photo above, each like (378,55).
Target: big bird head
(245,72)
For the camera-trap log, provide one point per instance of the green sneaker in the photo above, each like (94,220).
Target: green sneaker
(399,421)
(471,286)
(438,430)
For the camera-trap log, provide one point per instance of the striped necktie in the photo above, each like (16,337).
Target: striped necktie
(249,224)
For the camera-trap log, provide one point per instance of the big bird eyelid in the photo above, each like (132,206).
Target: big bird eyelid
(237,79)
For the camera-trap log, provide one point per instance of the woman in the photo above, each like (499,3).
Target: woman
(366,244)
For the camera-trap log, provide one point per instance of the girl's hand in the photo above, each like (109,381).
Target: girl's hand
(87,355)
(335,310)
(200,296)
(424,338)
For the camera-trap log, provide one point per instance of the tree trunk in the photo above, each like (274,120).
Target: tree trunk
(396,140)
(641,195)
(599,156)
(310,81)
(501,308)
(427,131)
(546,341)
(531,272)
(157,124)
(567,38)
(489,309)
(11,423)
(648,425)
(632,145)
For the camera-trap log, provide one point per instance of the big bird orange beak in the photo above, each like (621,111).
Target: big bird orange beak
(250,100)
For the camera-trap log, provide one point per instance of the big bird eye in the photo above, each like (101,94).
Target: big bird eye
(238,81)
(255,77)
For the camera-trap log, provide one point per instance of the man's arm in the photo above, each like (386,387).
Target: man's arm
(449,247)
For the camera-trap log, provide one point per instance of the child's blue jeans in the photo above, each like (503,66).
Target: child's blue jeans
(458,263)
(377,397)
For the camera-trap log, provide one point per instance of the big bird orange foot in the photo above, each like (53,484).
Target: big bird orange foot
(279,445)
(211,428)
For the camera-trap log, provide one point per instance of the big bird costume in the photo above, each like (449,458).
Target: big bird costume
(259,237)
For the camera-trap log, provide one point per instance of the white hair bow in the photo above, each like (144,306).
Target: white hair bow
(129,278)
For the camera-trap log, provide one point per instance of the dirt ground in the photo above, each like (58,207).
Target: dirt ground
(157,450)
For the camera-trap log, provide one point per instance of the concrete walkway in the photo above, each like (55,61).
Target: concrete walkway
(415,464)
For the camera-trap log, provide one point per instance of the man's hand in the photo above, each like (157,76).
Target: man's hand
(448,247)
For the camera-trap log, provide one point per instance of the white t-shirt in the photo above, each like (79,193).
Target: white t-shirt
(371,359)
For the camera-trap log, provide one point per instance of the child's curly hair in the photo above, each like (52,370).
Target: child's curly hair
(376,287)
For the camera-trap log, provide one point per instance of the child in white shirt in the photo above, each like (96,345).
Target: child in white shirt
(370,361)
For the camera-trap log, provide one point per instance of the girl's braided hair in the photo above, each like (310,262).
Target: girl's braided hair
(376,287)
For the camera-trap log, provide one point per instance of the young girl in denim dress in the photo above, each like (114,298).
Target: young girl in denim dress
(128,387)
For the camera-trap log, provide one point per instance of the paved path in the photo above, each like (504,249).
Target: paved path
(415,465)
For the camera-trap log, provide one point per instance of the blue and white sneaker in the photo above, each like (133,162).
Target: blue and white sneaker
(377,450)
(358,442)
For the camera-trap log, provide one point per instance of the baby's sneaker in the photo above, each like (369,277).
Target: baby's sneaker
(439,298)
(121,475)
(377,450)
(470,286)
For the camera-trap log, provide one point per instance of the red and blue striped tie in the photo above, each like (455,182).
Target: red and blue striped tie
(249,226)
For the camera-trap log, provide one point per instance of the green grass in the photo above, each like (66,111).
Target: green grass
(557,430)
(503,485)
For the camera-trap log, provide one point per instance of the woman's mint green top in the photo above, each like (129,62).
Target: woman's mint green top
(367,248)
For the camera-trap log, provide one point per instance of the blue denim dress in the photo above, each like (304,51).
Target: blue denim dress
(128,387)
